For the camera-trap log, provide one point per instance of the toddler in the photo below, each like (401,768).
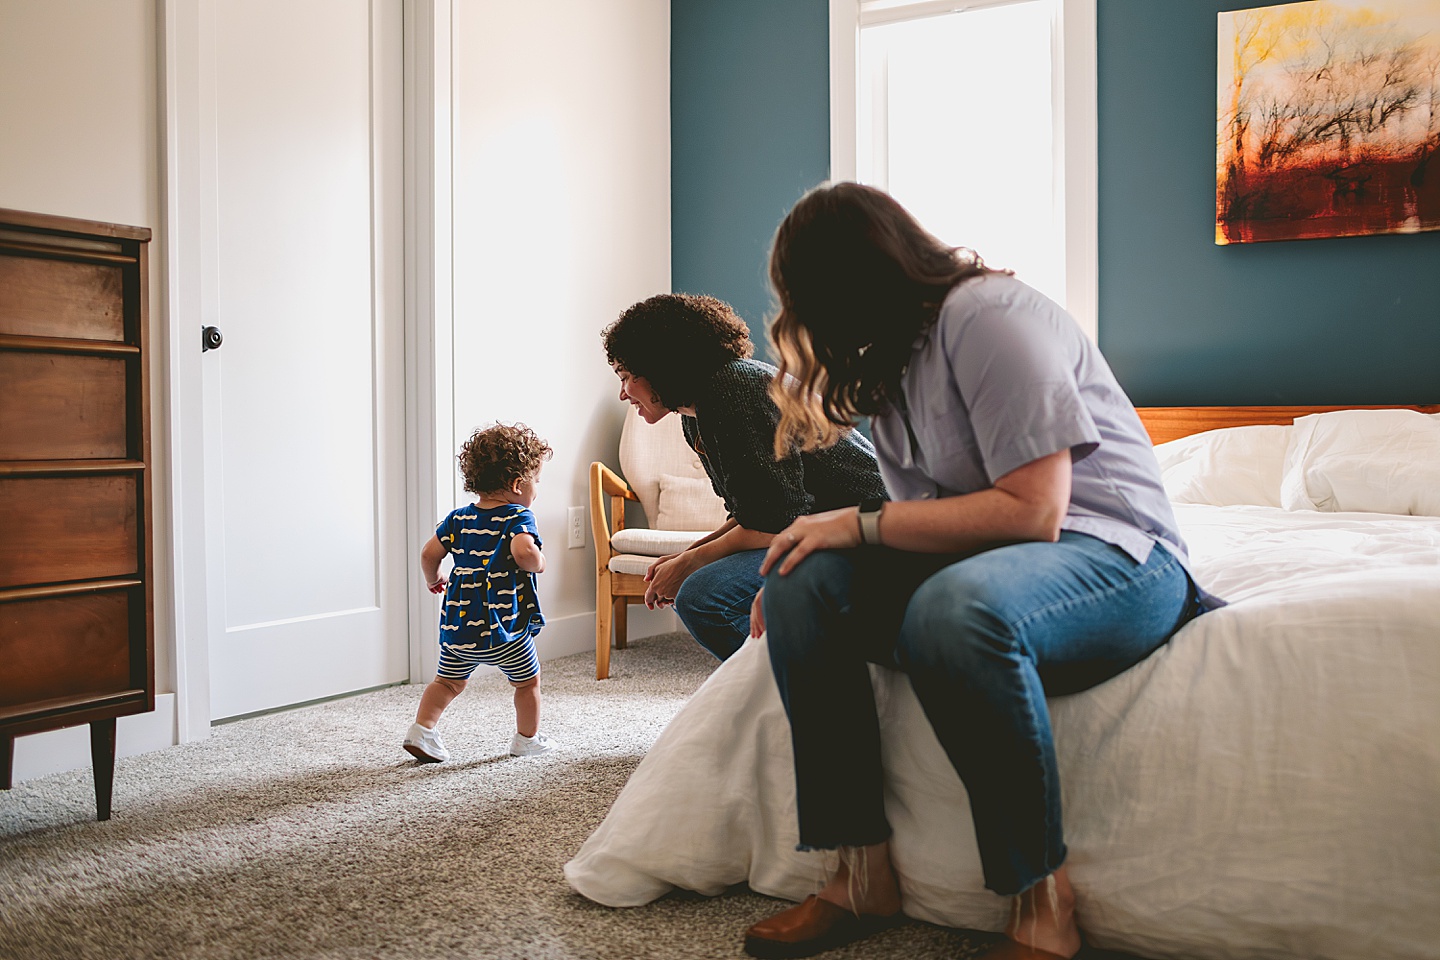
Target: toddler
(491,612)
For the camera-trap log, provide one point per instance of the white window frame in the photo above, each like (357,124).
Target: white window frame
(1074,96)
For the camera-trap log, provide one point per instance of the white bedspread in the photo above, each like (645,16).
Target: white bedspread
(1266,785)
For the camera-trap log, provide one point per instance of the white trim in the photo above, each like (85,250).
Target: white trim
(56,751)
(187,28)
(844,61)
(1078,120)
(874,12)
(1076,95)
(429,311)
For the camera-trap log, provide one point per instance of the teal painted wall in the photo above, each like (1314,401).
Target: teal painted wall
(1182,321)
(750,132)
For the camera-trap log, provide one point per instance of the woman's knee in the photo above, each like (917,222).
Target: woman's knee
(694,598)
(820,581)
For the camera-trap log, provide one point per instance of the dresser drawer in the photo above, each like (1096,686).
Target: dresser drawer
(42,297)
(68,528)
(62,407)
(65,647)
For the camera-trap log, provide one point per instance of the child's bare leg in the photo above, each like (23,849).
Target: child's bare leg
(437,696)
(527,707)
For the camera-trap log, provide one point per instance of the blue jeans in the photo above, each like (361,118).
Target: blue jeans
(984,639)
(714,601)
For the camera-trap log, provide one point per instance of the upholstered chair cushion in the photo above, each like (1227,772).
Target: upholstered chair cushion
(688,503)
(649,451)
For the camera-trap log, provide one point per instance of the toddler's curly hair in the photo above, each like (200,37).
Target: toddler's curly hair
(496,456)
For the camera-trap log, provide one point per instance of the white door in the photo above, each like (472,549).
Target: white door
(304,401)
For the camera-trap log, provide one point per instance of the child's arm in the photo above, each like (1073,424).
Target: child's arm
(527,553)
(430,556)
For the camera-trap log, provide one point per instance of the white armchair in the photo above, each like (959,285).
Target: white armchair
(680,506)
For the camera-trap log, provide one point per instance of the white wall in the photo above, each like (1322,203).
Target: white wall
(79,138)
(561,178)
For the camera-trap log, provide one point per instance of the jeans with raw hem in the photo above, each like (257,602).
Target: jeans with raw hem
(984,639)
(714,601)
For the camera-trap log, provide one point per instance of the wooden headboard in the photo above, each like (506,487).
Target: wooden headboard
(1172,423)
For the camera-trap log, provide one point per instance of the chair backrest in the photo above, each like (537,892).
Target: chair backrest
(651,450)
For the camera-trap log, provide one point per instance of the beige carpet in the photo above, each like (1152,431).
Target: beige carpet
(311,834)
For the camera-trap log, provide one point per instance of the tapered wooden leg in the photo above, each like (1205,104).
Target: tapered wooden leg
(622,605)
(102,759)
(604,606)
(7,759)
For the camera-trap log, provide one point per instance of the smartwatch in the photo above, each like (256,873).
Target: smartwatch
(870,511)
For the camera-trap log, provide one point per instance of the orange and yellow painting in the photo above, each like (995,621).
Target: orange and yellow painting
(1328,116)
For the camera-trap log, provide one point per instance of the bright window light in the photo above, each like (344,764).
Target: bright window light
(956,120)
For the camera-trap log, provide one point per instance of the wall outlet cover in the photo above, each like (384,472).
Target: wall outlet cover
(576,524)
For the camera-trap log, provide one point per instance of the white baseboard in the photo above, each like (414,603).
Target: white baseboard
(55,751)
(576,634)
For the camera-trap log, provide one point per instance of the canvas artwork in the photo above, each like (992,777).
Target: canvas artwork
(1328,116)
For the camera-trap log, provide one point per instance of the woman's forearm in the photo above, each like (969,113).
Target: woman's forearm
(719,531)
(733,540)
(1026,504)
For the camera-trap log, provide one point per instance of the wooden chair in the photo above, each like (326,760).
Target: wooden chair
(668,481)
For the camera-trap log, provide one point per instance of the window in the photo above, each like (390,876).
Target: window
(980,119)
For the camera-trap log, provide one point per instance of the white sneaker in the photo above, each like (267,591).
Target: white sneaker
(425,745)
(521,746)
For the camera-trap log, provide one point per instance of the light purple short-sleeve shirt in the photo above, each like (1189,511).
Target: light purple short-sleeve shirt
(1004,377)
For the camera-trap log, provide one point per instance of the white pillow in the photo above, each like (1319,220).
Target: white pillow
(654,543)
(688,503)
(1371,461)
(1226,467)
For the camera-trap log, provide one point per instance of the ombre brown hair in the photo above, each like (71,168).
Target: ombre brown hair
(857,279)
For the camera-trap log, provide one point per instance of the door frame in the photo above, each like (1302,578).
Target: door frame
(187,82)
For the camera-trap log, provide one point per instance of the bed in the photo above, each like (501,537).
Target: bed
(1266,785)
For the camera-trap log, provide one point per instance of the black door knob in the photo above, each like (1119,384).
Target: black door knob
(210,339)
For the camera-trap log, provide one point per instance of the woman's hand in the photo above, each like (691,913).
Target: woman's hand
(831,530)
(665,577)
(757,614)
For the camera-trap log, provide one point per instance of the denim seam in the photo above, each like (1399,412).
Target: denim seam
(1091,597)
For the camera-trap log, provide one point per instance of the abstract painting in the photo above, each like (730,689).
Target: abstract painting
(1328,115)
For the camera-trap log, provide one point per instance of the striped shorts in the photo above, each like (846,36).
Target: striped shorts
(516,659)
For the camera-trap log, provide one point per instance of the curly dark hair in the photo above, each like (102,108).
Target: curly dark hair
(676,341)
(496,456)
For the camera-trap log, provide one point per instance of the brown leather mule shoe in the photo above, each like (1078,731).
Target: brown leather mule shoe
(810,927)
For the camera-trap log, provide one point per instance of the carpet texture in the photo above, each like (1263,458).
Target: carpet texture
(310,833)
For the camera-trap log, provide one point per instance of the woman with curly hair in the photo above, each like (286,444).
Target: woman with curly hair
(491,612)
(1030,550)
(691,355)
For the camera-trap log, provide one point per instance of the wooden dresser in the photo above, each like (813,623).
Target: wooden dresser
(76,567)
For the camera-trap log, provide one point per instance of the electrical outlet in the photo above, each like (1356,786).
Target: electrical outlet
(577,527)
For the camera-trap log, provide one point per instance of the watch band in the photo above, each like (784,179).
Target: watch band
(870,524)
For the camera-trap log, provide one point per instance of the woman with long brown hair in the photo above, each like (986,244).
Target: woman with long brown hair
(1028,550)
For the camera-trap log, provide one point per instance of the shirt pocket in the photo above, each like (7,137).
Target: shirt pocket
(949,449)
